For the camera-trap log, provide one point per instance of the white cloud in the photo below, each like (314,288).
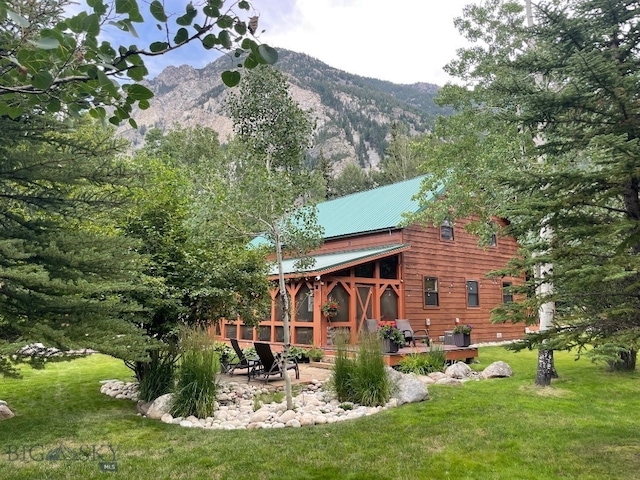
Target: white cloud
(406,41)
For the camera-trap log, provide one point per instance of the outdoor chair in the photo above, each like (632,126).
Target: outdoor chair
(372,325)
(411,335)
(250,363)
(272,364)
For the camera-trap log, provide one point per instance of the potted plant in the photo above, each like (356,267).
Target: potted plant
(392,338)
(462,335)
(300,354)
(330,308)
(316,354)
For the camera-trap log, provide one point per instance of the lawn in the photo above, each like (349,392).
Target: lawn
(585,426)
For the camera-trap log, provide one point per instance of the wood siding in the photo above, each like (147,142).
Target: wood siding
(453,263)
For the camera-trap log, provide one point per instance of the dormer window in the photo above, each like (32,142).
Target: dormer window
(446,230)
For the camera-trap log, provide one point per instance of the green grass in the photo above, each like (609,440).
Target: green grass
(585,426)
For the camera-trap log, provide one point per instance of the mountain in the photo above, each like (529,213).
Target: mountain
(354,114)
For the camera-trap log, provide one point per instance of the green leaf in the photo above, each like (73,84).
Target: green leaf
(91,25)
(42,79)
(181,36)
(129,7)
(130,28)
(248,44)
(133,123)
(19,19)
(250,61)
(210,11)
(209,41)
(157,10)
(268,54)
(230,78)
(225,21)
(158,46)
(46,43)
(137,73)
(188,17)
(98,6)
(225,39)
(244,5)
(143,104)
(240,28)
(54,105)
(139,92)
(14,112)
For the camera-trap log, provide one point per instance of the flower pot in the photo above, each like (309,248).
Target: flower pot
(462,339)
(388,346)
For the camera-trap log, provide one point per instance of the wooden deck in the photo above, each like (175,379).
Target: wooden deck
(454,354)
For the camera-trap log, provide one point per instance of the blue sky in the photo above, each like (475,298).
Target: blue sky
(405,41)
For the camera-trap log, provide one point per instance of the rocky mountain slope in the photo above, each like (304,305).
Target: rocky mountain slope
(354,114)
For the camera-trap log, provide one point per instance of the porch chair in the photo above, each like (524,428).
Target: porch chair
(411,335)
(252,364)
(372,325)
(272,364)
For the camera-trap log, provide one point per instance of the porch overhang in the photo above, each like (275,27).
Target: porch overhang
(330,262)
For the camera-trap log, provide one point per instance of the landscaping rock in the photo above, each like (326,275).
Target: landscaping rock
(143,407)
(410,389)
(458,370)
(5,412)
(436,376)
(160,406)
(166,418)
(449,381)
(497,370)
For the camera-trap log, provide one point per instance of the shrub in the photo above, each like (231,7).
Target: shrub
(343,370)
(371,384)
(197,385)
(157,376)
(316,354)
(437,358)
(362,379)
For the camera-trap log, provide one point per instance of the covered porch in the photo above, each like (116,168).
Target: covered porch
(366,283)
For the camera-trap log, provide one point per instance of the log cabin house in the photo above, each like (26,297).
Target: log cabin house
(376,269)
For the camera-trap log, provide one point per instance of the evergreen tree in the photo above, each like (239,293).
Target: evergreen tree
(571,79)
(66,272)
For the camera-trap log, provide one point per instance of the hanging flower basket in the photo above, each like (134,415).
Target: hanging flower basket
(330,308)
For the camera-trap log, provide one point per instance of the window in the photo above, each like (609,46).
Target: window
(446,230)
(473,298)
(507,295)
(430,292)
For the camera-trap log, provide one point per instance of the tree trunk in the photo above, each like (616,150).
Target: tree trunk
(546,369)
(626,363)
(285,320)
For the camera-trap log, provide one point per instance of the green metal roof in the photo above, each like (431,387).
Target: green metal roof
(329,262)
(377,209)
(370,211)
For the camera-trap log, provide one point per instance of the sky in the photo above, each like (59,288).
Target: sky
(405,41)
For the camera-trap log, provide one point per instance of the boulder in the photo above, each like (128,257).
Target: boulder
(143,407)
(497,370)
(449,381)
(160,406)
(5,413)
(458,370)
(410,389)
(436,375)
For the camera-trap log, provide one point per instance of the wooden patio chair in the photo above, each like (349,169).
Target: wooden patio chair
(411,335)
(252,364)
(272,364)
